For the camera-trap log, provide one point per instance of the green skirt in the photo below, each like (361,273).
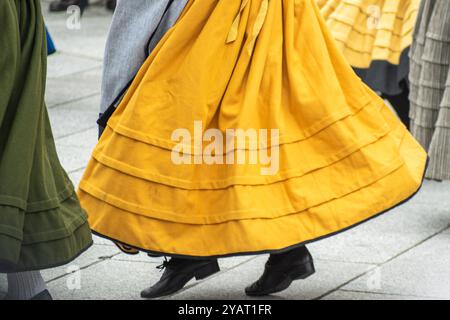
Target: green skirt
(41,222)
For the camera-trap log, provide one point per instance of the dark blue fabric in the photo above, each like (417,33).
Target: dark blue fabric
(50,45)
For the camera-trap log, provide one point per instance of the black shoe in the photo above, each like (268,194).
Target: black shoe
(111,5)
(177,273)
(281,270)
(62,5)
(44,295)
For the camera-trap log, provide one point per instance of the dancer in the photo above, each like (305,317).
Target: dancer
(170,177)
(41,222)
(430,85)
(375,37)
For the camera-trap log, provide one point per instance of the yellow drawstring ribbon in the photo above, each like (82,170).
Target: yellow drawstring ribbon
(259,23)
(260,19)
(232,36)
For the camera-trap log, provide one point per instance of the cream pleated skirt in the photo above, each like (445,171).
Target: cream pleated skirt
(375,37)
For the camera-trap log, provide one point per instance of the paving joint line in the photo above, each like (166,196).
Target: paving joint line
(73,134)
(99,260)
(391,294)
(59,104)
(78,55)
(64,75)
(348,261)
(379,265)
(75,170)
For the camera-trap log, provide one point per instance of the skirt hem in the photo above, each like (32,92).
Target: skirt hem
(271,251)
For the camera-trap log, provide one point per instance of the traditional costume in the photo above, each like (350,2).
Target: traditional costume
(41,222)
(246,65)
(430,85)
(375,37)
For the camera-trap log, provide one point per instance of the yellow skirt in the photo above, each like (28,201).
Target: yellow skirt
(251,65)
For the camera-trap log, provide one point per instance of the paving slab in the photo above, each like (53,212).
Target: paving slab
(85,37)
(75,151)
(434,192)
(423,271)
(75,176)
(75,117)
(72,87)
(102,241)
(63,64)
(386,236)
(95,254)
(107,280)
(85,139)
(73,158)
(355,295)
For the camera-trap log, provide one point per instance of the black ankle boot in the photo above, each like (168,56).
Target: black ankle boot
(111,5)
(281,270)
(44,295)
(177,273)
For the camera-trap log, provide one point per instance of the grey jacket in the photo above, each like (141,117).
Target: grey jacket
(137,27)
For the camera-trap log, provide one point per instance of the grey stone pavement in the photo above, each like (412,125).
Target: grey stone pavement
(404,254)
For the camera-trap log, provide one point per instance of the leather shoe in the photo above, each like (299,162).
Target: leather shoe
(44,295)
(281,270)
(177,273)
